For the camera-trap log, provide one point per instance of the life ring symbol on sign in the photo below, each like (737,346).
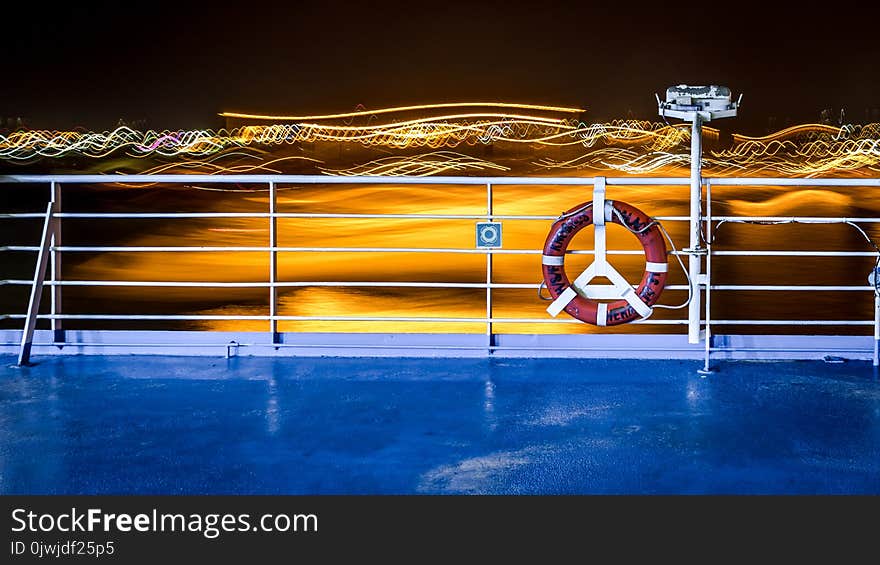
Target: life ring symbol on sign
(489,234)
(580,299)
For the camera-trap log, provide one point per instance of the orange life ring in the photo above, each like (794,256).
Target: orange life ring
(586,309)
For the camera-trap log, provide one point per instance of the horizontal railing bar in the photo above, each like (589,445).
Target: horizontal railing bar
(760,181)
(337,179)
(172,215)
(249,249)
(281,284)
(273,345)
(792,349)
(138,249)
(40,215)
(145,344)
(400,346)
(408,284)
(781,253)
(791,322)
(816,288)
(282,215)
(545,217)
(364,346)
(135,215)
(801,219)
(255,249)
(196,317)
(318,215)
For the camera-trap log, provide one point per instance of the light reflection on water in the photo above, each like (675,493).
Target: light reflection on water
(443,267)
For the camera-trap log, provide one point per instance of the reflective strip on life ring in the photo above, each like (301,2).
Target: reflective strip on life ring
(592,311)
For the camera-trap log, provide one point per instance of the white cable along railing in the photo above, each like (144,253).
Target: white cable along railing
(50,250)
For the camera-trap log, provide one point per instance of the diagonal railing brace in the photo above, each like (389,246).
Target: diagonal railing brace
(30,322)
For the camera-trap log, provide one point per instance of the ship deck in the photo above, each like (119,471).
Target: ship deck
(169,425)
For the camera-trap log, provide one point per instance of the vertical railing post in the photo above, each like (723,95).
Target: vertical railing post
(708,278)
(876,358)
(694,263)
(30,321)
(490,338)
(273,264)
(55,273)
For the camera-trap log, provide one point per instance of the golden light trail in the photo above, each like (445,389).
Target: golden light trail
(789,132)
(631,146)
(442,132)
(752,157)
(439,162)
(809,132)
(620,159)
(213,168)
(365,112)
(210,168)
(435,132)
(805,159)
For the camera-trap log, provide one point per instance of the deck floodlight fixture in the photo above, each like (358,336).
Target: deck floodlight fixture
(708,102)
(696,104)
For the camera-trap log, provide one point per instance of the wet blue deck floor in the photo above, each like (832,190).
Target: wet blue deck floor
(286,425)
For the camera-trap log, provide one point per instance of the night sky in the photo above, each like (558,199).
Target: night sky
(177,65)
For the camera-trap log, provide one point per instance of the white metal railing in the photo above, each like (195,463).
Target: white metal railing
(50,250)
